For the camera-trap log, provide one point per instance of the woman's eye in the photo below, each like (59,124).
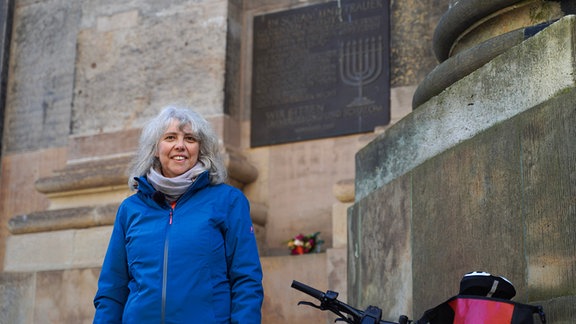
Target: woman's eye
(190,139)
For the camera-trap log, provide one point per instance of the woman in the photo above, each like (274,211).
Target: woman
(183,248)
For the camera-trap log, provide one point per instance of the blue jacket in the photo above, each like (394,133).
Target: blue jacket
(196,263)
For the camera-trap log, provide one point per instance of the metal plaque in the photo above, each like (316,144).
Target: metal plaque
(320,71)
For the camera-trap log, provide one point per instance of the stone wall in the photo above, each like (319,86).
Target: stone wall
(83,78)
(480,177)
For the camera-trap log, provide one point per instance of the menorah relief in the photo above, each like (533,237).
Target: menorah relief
(360,64)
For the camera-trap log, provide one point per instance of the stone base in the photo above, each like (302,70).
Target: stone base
(480,177)
(65,295)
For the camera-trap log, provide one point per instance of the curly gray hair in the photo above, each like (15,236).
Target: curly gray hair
(209,154)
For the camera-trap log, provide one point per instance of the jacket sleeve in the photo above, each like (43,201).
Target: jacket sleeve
(113,282)
(244,267)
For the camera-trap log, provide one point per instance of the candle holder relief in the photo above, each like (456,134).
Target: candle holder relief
(303,244)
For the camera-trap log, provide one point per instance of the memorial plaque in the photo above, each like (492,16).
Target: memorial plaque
(320,71)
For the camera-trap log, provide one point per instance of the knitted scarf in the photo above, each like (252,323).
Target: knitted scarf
(174,187)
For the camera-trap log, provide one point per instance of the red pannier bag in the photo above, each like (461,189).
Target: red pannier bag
(483,299)
(463,309)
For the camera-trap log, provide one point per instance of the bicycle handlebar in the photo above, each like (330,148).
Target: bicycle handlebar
(307,290)
(329,301)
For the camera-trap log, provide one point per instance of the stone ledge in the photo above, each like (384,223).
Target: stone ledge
(90,216)
(70,218)
(113,172)
(86,175)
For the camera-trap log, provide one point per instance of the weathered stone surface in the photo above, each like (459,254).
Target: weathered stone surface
(340,225)
(17,193)
(103,145)
(16,296)
(548,166)
(503,21)
(53,220)
(467,216)
(42,76)
(6,21)
(492,182)
(469,107)
(562,309)
(380,250)
(67,249)
(471,22)
(65,296)
(344,190)
(141,61)
(86,175)
(281,301)
(169,52)
(412,25)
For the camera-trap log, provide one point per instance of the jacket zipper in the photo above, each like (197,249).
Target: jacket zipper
(165,267)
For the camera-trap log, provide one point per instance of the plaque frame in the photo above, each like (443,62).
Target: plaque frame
(320,71)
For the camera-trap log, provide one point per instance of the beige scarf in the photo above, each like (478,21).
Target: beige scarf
(174,187)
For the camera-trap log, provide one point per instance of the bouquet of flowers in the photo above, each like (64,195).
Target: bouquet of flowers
(302,244)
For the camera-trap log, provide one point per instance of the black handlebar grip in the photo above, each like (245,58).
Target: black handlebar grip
(307,290)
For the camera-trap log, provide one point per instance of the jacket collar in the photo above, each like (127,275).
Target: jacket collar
(148,191)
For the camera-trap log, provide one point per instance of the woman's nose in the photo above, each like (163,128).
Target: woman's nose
(179,143)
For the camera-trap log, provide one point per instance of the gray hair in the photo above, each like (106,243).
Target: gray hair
(209,154)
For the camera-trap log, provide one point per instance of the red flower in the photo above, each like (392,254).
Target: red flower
(302,244)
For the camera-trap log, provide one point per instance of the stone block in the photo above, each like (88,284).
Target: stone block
(57,250)
(65,296)
(340,225)
(154,59)
(280,300)
(467,216)
(41,89)
(547,148)
(112,145)
(337,272)
(122,20)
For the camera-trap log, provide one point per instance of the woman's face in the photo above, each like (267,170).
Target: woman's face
(177,150)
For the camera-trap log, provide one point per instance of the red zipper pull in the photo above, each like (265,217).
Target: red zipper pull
(173,205)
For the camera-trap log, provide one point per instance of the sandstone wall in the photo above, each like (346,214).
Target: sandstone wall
(481,177)
(83,78)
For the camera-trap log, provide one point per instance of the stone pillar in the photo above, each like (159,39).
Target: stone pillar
(479,177)
(473,32)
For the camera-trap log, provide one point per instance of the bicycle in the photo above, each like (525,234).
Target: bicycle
(483,298)
(346,313)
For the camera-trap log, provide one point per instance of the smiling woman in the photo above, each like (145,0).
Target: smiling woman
(177,150)
(183,246)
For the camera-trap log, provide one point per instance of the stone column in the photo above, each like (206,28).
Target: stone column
(473,32)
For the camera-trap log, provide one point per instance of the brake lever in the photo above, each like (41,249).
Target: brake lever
(307,303)
(341,317)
